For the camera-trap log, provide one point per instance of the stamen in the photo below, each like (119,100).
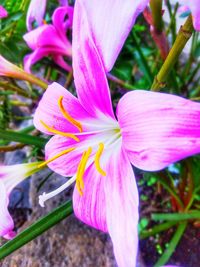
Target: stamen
(64,152)
(51,129)
(81,170)
(68,117)
(44,197)
(97,159)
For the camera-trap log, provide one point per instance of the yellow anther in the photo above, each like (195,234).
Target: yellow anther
(81,170)
(97,159)
(64,152)
(52,130)
(67,116)
(44,21)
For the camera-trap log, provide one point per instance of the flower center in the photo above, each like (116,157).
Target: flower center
(114,134)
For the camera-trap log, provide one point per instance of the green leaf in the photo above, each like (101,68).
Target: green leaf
(37,229)
(23,138)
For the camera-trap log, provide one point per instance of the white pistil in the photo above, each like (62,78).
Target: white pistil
(45,196)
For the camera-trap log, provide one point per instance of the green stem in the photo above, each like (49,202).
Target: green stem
(183,36)
(8,86)
(120,82)
(176,216)
(156,9)
(171,191)
(32,79)
(157,229)
(172,245)
(148,73)
(36,229)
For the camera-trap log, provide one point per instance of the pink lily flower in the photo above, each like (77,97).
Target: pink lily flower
(3,12)
(10,176)
(35,12)
(51,40)
(151,130)
(193,6)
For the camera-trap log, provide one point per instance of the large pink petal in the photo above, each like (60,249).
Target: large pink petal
(158,129)
(110,203)
(122,209)
(110,23)
(48,111)
(90,78)
(90,208)
(6,221)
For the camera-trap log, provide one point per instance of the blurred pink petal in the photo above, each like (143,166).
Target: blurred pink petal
(35,12)
(10,176)
(3,12)
(6,222)
(50,40)
(194,7)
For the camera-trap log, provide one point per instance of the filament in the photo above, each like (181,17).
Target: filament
(67,116)
(45,196)
(97,159)
(81,170)
(52,130)
(64,152)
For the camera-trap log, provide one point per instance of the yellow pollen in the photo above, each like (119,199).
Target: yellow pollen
(64,152)
(81,170)
(44,21)
(67,116)
(97,159)
(52,130)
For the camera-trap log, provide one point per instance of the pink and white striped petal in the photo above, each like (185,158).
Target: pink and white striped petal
(110,203)
(122,208)
(89,75)
(48,110)
(109,24)
(158,129)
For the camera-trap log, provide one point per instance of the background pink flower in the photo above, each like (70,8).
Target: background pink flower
(51,40)
(3,12)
